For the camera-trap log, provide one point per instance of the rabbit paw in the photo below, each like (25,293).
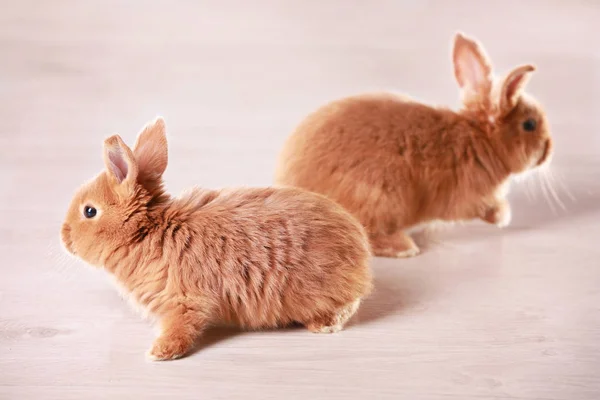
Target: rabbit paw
(325,328)
(413,251)
(397,245)
(334,322)
(499,215)
(168,348)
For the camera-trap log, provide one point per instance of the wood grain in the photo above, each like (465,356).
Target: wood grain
(482,314)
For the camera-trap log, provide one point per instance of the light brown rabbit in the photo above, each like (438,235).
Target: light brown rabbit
(257,258)
(395,163)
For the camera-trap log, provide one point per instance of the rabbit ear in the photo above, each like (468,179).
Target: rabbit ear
(151,151)
(118,159)
(472,68)
(513,86)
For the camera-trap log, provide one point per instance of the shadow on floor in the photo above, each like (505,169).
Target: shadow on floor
(213,336)
(399,286)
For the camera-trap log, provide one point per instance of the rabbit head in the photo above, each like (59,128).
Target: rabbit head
(514,119)
(108,211)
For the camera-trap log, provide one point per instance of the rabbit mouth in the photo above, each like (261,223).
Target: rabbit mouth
(545,153)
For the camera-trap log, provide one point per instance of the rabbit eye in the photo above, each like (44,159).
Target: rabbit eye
(529,125)
(89,212)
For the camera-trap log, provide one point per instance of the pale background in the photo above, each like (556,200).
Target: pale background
(482,314)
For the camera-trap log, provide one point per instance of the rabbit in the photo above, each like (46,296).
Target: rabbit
(250,257)
(397,164)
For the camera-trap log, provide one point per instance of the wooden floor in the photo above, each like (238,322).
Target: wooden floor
(482,314)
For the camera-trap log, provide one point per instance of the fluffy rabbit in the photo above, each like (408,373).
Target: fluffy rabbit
(256,258)
(395,163)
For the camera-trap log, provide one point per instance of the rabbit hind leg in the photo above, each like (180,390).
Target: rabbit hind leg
(396,245)
(333,322)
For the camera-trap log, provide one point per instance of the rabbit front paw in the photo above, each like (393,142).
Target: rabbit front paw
(168,348)
(499,214)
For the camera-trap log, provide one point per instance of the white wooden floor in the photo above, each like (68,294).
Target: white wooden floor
(482,314)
